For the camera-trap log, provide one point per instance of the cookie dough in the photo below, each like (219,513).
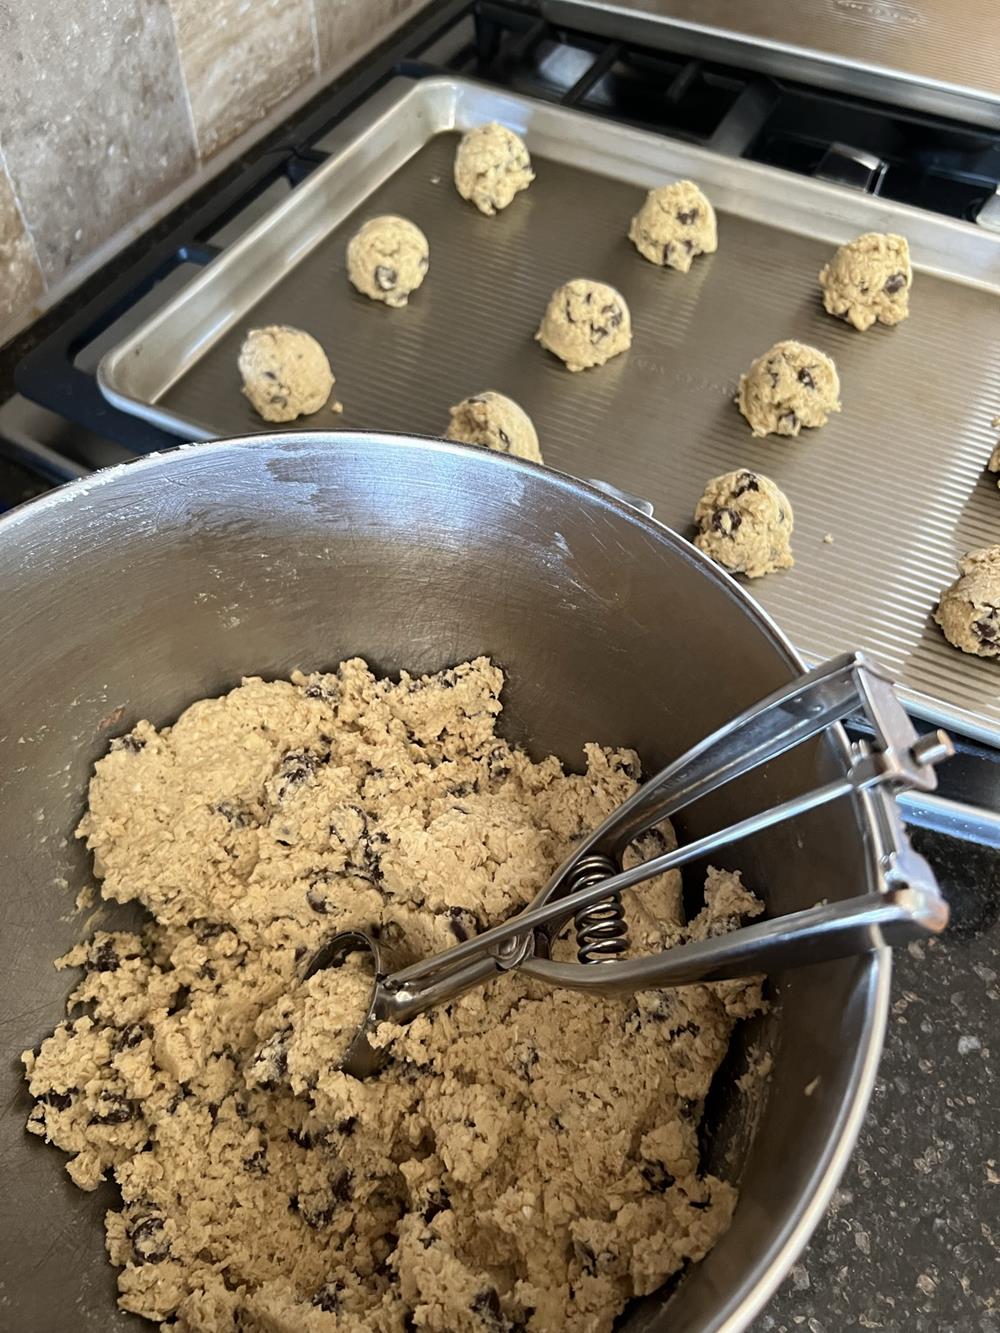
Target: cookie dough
(745,524)
(528,1159)
(491,166)
(869,279)
(285,372)
(309,1031)
(789,387)
(496,421)
(969,610)
(585,324)
(674,226)
(388,259)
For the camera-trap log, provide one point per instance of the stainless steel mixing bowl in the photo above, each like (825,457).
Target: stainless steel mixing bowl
(137,591)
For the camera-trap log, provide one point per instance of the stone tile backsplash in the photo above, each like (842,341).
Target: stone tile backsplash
(111,110)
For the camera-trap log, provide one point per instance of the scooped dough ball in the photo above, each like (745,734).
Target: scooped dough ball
(491,166)
(388,259)
(869,279)
(745,524)
(496,421)
(789,387)
(674,225)
(308,1031)
(969,610)
(586,323)
(285,372)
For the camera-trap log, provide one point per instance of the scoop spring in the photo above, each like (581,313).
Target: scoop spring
(601,928)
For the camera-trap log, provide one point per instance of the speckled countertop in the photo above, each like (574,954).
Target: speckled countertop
(912,1239)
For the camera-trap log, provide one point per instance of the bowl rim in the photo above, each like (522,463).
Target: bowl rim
(748,1299)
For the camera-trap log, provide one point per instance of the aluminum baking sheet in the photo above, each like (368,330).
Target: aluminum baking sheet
(897,479)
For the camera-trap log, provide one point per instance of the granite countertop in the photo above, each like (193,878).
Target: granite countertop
(911,1240)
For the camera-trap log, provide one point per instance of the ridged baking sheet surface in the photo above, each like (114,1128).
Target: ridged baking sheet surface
(896,479)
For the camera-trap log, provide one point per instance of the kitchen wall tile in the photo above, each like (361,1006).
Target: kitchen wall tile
(20,276)
(94,118)
(240,59)
(348,28)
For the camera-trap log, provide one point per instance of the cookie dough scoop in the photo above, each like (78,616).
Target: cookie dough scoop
(586,889)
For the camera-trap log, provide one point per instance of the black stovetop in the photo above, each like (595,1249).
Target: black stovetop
(912,1240)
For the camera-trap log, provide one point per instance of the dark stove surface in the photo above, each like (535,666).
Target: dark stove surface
(929,161)
(19,482)
(912,1241)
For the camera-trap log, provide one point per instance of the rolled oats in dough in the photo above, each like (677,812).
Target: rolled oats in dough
(496,421)
(790,386)
(674,226)
(745,523)
(969,609)
(491,166)
(869,280)
(528,1160)
(388,259)
(285,372)
(586,324)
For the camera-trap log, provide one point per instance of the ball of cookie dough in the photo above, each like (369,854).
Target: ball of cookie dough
(285,372)
(869,279)
(969,610)
(745,524)
(789,387)
(388,259)
(674,225)
(586,323)
(491,166)
(496,421)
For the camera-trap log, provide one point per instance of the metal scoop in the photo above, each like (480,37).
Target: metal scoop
(587,886)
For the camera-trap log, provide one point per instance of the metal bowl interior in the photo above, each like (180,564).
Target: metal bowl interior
(136,592)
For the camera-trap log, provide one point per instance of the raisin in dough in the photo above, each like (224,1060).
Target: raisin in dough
(869,279)
(491,166)
(285,373)
(745,524)
(969,610)
(789,387)
(496,421)
(523,1155)
(586,324)
(674,226)
(388,259)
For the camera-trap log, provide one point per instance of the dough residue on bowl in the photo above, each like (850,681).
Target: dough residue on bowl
(528,1159)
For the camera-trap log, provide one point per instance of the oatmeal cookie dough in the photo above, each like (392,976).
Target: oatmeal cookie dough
(745,524)
(491,166)
(869,280)
(496,421)
(674,226)
(585,324)
(528,1158)
(388,259)
(969,609)
(790,386)
(285,372)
